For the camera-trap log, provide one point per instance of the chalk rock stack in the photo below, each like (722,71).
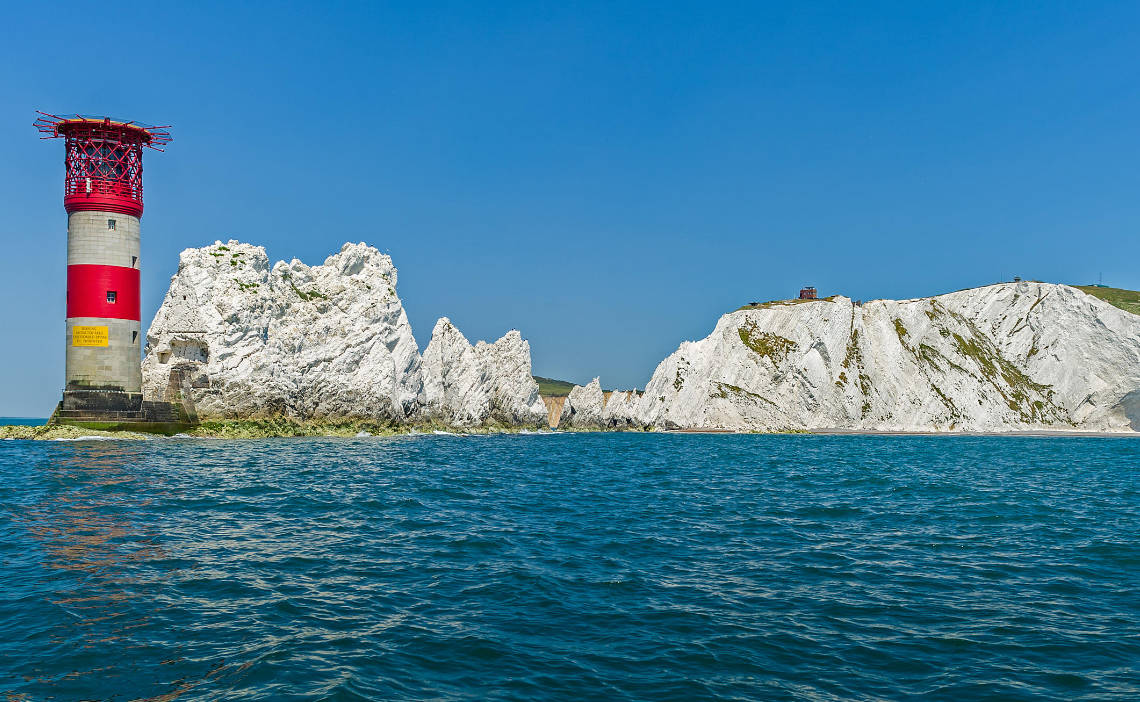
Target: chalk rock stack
(239,338)
(246,340)
(583,407)
(1008,357)
(590,407)
(467,385)
(242,339)
(622,411)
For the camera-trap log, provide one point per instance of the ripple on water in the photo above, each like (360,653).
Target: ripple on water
(602,566)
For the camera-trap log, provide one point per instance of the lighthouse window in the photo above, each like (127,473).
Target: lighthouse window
(110,224)
(112,296)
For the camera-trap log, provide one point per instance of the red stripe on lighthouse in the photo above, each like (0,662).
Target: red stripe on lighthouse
(88,288)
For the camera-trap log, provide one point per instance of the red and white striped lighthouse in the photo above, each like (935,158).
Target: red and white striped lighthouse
(103,196)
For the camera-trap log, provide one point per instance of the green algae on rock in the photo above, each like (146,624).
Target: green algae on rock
(51,432)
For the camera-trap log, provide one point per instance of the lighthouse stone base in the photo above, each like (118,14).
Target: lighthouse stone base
(115,410)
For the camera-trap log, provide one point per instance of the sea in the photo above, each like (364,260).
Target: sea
(596,566)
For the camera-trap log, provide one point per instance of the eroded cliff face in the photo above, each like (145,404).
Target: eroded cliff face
(244,339)
(1007,357)
(589,407)
(622,410)
(554,405)
(583,407)
(467,385)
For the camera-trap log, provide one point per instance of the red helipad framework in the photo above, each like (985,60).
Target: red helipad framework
(103,160)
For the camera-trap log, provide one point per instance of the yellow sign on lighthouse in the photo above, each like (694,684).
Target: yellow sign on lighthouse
(89,336)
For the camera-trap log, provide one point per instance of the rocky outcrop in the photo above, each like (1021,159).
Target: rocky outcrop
(1017,356)
(590,407)
(622,410)
(236,338)
(583,407)
(467,385)
(247,340)
(239,339)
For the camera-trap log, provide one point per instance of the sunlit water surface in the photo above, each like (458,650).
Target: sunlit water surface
(599,566)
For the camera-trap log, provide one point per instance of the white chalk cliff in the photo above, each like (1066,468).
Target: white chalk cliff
(622,410)
(250,340)
(1008,357)
(242,339)
(467,385)
(583,407)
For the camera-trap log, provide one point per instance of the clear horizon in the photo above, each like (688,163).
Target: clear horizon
(608,180)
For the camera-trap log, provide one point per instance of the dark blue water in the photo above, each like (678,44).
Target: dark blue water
(616,567)
(23,421)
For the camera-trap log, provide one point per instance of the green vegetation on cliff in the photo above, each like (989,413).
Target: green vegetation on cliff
(552,387)
(764,343)
(782,303)
(263,428)
(1127,300)
(48,432)
(555,388)
(286,427)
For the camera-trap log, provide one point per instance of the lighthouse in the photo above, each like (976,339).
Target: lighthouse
(103,196)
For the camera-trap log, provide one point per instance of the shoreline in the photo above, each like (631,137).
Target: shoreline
(281,428)
(885,432)
(1028,432)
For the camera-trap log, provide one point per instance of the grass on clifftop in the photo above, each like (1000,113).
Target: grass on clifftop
(555,388)
(782,303)
(1127,300)
(552,387)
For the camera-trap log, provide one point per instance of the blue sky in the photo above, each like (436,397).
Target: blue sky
(608,178)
